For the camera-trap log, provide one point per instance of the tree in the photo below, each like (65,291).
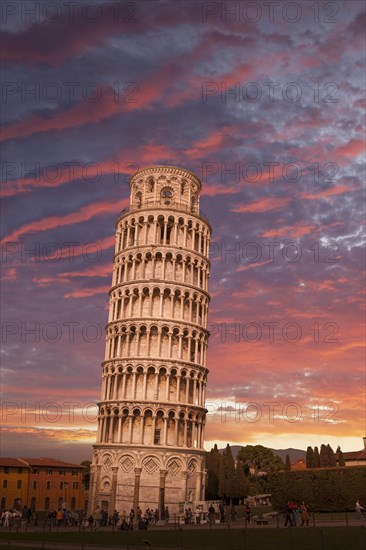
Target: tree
(288,464)
(212,463)
(222,479)
(309,457)
(340,457)
(242,483)
(316,458)
(86,473)
(323,456)
(230,474)
(327,458)
(262,457)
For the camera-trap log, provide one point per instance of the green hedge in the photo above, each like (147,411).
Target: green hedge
(332,490)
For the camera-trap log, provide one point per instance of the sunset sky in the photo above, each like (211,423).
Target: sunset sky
(265,105)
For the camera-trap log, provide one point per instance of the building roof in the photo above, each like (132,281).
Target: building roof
(51,462)
(355,455)
(12,462)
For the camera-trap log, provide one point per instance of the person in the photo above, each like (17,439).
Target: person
(247,513)
(29,515)
(97,518)
(359,510)
(24,520)
(115,518)
(139,513)
(59,517)
(91,522)
(166,515)
(304,514)
(7,518)
(233,513)
(132,517)
(197,515)
(222,512)
(288,515)
(211,515)
(104,518)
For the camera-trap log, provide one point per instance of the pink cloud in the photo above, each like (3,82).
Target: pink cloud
(294,231)
(263,205)
(84,214)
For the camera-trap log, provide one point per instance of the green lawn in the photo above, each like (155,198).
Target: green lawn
(326,538)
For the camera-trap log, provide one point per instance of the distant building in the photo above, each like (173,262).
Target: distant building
(299,465)
(41,484)
(356,458)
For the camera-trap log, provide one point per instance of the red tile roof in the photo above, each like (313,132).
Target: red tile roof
(355,455)
(12,462)
(51,462)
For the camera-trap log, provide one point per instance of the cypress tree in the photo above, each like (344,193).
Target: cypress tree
(331,459)
(323,456)
(229,473)
(288,464)
(340,457)
(242,483)
(316,457)
(309,457)
(212,464)
(222,478)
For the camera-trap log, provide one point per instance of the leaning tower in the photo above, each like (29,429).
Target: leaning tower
(149,450)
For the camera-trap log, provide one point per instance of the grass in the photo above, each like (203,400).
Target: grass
(325,538)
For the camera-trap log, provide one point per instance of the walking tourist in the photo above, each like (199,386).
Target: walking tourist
(304,514)
(359,510)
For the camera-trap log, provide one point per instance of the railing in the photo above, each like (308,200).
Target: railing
(154,205)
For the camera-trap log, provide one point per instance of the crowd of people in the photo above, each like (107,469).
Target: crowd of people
(126,520)
(295,514)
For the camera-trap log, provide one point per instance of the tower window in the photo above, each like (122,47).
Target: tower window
(166,195)
(157,437)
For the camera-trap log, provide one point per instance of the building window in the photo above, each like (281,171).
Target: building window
(20,470)
(61,484)
(35,470)
(47,503)
(49,472)
(75,485)
(19,484)
(6,470)
(74,473)
(62,472)
(48,486)
(34,485)
(5,484)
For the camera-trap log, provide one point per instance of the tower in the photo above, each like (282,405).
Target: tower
(149,448)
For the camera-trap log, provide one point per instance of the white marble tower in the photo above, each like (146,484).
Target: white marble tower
(149,450)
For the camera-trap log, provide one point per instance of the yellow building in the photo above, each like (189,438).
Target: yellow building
(14,480)
(41,484)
